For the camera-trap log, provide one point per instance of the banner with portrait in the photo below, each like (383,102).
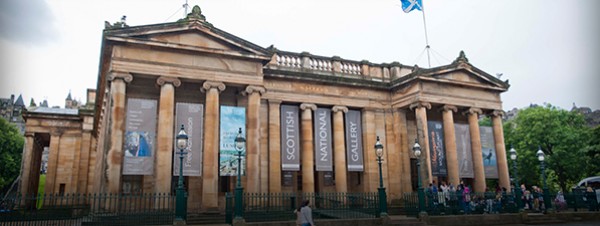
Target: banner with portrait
(354,151)
(290,138)
(463,150)
(140,137)
(232,118)
(488,150)
(437,152)
(323,144)
(191,116)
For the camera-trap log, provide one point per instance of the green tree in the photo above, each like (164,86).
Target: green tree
(562,135)
(593,153)
(11,148)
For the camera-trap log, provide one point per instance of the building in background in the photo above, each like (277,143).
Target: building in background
(11,110)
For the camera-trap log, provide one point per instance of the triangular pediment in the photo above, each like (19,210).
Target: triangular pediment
(189,36)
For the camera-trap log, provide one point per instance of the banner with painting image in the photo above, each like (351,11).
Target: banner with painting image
(290,139)
(354,151)
(191,116)
(488,150)
(437,152)
(232,118)
(323,144)
(140,137)
(463,150)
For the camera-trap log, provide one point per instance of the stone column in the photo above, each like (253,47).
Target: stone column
(423,137)
(478,171)
(114,158)
(450,140)
(210,163)
(402,143)
(253,138)
(49,187)
(86,139)
(308,154)
(165,134)
(26,171)
(339,149)
(274,146)
(500,149)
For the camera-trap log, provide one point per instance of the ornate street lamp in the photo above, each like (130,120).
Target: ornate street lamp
(541,157)
(240,144)
(513,157)
(381,189)
(181,200)
(421,194)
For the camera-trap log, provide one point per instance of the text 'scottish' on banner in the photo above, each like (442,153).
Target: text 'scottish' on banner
(290,138)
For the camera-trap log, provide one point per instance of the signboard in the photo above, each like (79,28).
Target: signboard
(436,148)
(191,116)
(354,152)
(232,118)
(290,138)
(488,150)
(323,144)
(288,178)
(463,150)
(140,137)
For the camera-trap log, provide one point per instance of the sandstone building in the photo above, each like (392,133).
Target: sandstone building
(310,121)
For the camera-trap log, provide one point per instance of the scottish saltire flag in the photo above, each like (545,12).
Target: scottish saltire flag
(409,5)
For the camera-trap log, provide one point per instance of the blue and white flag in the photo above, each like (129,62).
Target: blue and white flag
(409,5)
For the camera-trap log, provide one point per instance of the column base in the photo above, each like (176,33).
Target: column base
(179,222)
(238,221)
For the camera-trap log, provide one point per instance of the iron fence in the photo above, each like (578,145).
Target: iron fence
(495,203)
(87,209)
(261,207)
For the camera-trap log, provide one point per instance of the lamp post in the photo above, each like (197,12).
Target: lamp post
(182,144)
(381,189)
(421,194)
(541,157)
(240,144)
(513,157)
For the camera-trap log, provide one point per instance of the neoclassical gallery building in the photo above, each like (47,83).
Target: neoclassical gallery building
(311,122)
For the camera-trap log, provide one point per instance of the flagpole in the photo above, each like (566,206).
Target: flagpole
(426,38)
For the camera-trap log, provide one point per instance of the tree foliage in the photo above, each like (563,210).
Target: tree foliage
(563,137)
(11,149)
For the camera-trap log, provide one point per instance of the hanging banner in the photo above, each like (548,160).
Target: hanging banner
(463,151)
(140,137)
(323,146)
(290,138)
(232,118)
(436,148)
(191,116)
(354,152)
(488,150)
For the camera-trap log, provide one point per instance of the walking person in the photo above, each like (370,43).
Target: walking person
(306,215)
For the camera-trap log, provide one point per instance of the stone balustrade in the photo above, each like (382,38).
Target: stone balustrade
(336,66)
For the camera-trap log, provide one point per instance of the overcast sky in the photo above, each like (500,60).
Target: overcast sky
(549,50)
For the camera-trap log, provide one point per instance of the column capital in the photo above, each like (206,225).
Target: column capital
(339,108)
(420,104)
(126,77)
(498,113)
(212,84)
(274,102)
(448,107)
(162,80)
(473,110)
(29,134)
(56,132)
(308,106)
(251,89)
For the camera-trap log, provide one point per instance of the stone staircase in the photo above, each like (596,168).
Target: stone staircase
(541,219)
(206,218)
(405,221)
